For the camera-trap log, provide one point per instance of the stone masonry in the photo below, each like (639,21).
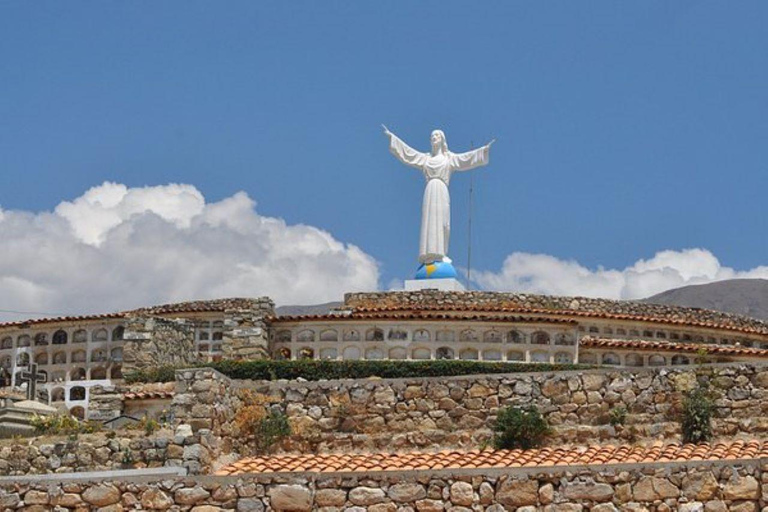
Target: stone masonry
(434,413)
(424,299)
(688,487)
(246,334)
(156,341)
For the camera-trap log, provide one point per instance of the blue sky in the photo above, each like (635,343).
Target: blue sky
(624,128)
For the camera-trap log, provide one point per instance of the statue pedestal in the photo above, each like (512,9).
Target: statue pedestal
(449,284)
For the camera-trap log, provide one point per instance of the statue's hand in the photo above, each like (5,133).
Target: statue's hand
(491,143)
(386,131)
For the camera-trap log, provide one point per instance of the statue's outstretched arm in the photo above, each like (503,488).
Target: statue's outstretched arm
(471,159)
(403,152)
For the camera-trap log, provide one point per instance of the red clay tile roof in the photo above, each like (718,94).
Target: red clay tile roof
(740,324)
(541,457)
(147,395)
(201,306)
(54,319)
(670,346)
(421,315)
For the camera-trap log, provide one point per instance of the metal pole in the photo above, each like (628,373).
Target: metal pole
(469,227)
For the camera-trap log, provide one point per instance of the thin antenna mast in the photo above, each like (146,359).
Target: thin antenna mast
(469,225)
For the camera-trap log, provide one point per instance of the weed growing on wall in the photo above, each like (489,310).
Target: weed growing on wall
(696,415)
(521,428)
(56,424)
(263,426)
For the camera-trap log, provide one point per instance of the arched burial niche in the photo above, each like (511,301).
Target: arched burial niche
(78,412)
(540,338)
(329,335)
(351,353)
(515,336)
(398,353)
(611,359)
(421,335)
(80,336)
(60,337)
(77,393)
(305,336)
(491,355)
(283,353)
(57,395)
(469,354)
(444,353)
(98,373)
(563,358)
(41,339)
(100,335)
(398,334)
(351,335)
(329,353)
(421,354)
(374,334)
(374,353)
(77,374)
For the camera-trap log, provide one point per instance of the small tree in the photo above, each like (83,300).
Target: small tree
(519,428)
(258,421)
(696,420)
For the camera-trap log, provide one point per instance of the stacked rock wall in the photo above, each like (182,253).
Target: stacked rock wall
(156,341)
(246,333)
(478,300)
(432,413)
(686,487)
(87,452)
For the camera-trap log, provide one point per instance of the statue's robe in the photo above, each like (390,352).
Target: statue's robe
(436,207)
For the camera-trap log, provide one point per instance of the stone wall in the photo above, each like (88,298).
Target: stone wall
(687,487)
(88,452)
(478,299)
(155,341)
(433,413)
(246,334)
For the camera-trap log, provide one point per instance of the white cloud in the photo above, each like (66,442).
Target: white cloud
(117,247)
(541,273)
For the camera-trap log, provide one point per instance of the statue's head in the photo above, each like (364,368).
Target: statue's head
(439,144)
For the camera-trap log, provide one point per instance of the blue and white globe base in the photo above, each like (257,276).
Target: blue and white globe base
(437,270)
(438,275)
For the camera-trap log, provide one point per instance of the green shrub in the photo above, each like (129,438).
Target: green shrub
(696,417)
(330,370)
(519,428)
(618,415)
(56,424)
(157,374)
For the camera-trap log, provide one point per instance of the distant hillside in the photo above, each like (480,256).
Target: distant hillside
(742,296)
(315,309)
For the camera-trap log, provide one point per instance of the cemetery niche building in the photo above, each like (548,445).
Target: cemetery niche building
(77,353)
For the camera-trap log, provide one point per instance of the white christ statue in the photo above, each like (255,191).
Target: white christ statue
(437,167)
